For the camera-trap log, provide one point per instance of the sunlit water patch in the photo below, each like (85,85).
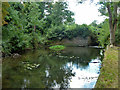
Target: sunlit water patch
(84,77)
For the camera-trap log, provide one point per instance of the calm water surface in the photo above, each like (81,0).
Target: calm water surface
(74,67)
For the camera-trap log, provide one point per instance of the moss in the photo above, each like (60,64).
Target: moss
(109,72)
(57,47)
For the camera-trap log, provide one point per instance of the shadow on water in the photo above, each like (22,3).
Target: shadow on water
(47,69)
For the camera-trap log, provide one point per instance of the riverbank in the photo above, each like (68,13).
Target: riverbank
(109,72)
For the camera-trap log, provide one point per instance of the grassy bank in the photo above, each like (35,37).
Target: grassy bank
(109,72)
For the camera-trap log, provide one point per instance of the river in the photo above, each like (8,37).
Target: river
(74,67)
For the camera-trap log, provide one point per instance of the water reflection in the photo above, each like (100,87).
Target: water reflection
(75,67)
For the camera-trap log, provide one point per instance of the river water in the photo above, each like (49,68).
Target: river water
(74,67)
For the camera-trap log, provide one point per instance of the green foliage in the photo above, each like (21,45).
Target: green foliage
(33,24)
(117,37)
(27,25)
(58,13)
(16,43)
(68,31)
(103,36)
(93,34)
(77,30)
(57,47)
(6,48)
(55,32)
(102,32)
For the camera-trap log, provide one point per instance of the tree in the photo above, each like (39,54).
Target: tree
(110,9)
(58,13)
(112,21)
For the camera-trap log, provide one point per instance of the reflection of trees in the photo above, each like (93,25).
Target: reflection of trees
(52,71)
(85,55)
(58,75)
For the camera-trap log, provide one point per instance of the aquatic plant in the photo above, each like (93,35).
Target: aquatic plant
(29,66)
(57,47)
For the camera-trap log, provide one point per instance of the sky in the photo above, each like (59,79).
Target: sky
(85,13)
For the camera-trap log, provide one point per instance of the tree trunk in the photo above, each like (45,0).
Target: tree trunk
(115,16)
(112,34)
(112,25)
